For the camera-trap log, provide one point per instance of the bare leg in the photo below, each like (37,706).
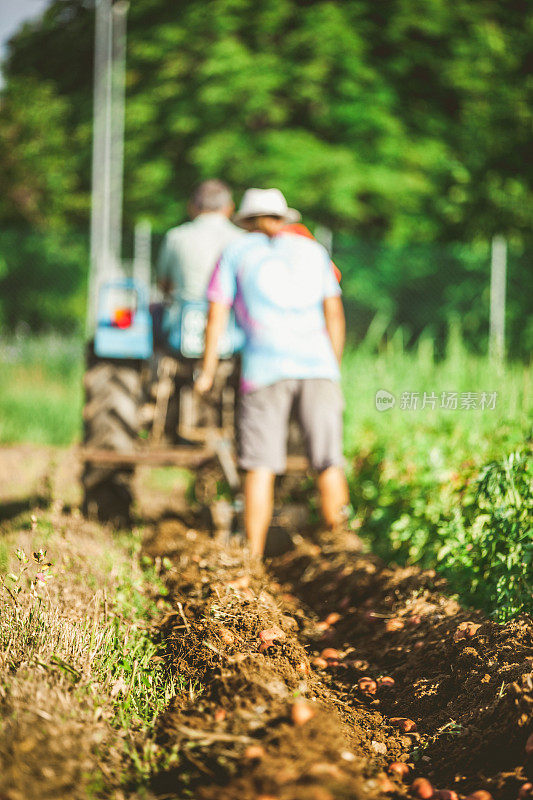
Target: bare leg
(258,508)
(333,488)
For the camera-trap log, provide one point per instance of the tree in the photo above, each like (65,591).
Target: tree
(403,122)
(409,119)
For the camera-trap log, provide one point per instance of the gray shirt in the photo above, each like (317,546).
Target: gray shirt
(190,252)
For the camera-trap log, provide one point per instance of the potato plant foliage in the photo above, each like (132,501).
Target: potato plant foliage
(475,528)
(488,546)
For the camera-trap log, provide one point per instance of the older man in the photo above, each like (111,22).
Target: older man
(287,300)
(190,251)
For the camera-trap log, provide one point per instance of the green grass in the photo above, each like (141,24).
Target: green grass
(437,439)
(40,389)
(96,646)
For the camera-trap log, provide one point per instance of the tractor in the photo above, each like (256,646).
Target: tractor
(141,407)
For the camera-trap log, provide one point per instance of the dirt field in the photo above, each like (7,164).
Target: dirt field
(307,679)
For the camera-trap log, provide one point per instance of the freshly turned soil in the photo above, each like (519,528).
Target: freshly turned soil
(456,708)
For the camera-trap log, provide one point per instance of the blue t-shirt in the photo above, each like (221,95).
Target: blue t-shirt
(277,288)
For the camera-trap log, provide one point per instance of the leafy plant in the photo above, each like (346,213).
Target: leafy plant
(487,548)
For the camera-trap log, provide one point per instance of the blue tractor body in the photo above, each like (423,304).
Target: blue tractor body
(127,325)
(140,406)
(124,324)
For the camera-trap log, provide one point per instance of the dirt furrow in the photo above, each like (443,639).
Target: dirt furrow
(265,722)
(464,681)
(309,680)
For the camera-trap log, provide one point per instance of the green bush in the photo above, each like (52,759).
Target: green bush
(487,548)
(414,473)
(474,528)
(43,280)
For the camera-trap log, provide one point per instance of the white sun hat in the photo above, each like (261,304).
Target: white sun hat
(265,202)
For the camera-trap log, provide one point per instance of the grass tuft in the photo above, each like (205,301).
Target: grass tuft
(88,656)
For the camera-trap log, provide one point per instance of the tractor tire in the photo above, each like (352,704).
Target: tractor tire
(113,399)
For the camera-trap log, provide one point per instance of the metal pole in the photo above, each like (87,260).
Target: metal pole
(108,147)
(325,237)
(497,298)
(102,62)
(142,252)
(105,249)
(116,176)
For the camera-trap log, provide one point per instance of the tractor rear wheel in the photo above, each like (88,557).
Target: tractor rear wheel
(113,398)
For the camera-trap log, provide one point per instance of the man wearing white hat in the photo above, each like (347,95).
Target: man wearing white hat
(287,300)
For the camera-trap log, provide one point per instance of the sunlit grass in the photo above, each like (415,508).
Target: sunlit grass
(40,390)
(437,437)
(80,628)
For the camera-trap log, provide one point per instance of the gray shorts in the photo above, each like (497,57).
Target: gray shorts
(263,423)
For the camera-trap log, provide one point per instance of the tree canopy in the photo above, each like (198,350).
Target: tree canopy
(403,122)
(408,119)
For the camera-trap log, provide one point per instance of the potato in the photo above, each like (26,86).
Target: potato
(394,624)
(403,724)
(386,682)
(367,685)
(525,791)
(320,663)
(480,794)
(302,712)
(227,636)
(271,634)
(220,715)
(446,794)
(333,618)
(421,788)
(254,752)
(385,785)
(399,769)
(330,653)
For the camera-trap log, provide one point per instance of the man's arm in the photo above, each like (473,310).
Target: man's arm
(335,324)
(217,320)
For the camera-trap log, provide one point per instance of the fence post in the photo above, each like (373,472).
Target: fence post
(142,252)
(325,237)
(498,269)
(108,145)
